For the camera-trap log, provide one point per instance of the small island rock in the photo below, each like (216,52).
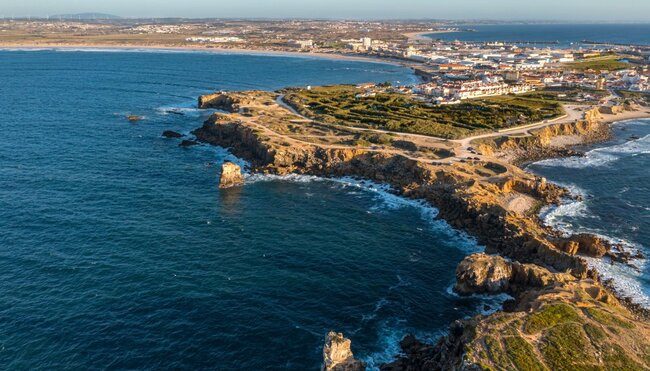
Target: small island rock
(231,175)
(338,356)
(171,134)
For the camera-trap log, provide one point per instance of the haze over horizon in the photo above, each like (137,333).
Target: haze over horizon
(507,10)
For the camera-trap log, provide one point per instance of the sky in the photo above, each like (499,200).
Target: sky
(562,10)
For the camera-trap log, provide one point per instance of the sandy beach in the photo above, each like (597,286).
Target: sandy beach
(197,48)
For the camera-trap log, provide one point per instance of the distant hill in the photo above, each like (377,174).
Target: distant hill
(86,16)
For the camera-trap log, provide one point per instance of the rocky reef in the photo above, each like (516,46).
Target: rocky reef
(561,317)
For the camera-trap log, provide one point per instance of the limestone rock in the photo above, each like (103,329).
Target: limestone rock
(230,175)
(221,101)
(481,273)
(585,244)
(337,355)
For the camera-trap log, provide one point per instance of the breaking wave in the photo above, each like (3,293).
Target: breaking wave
(602,156)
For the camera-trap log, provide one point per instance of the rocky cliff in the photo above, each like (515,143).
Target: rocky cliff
(542,143)
(542,269)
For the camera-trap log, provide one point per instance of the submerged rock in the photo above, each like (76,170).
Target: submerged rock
(231,175)
(171,134)
(337,355)
(134,118)
(188,143)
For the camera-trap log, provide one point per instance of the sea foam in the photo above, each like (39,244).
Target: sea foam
(601,156)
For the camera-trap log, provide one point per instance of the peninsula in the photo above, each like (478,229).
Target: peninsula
(463,160)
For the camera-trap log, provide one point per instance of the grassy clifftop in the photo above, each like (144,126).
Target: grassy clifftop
(405,113)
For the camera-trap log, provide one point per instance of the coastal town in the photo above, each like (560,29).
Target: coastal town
(451,71)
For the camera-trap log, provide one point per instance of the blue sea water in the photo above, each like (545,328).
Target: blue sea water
(564,34)
(117,250)
(614,182)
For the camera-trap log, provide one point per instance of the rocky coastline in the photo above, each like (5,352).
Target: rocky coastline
(553,288)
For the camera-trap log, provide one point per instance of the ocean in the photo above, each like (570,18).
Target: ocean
(564,35)
(118,250)
(613,181)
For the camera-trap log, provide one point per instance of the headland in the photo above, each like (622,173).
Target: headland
(562,316)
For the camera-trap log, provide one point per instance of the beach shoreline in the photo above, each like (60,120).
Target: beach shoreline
(198,48)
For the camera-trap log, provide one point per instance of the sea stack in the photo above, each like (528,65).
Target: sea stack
(231,175)
(337,355)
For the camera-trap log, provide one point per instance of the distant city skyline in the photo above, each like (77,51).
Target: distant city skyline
(533,10)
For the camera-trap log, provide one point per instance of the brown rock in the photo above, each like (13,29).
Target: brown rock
(337,355)
(134,118)
(231,175)
(221,101)
(585,244)
(481,273)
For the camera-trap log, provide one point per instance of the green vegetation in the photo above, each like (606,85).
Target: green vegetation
(550,316)
(609,63)
(607,319)
(496,353)
(565,347)
(570,95)
(522,355)
(615,359)
(404,113)
(594,333)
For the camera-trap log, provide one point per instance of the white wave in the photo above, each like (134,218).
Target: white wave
(488,303)
(601,156)
(625,279)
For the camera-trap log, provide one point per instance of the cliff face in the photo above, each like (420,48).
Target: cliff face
(541,142)
(220,101)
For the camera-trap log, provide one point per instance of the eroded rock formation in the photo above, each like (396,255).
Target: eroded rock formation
(337,354)
(231,175)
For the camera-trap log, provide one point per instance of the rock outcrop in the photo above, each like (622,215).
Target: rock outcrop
(337,355)
(481,274)
(171,134)
(221,101)
(134,118)
(188,143)
(231,175)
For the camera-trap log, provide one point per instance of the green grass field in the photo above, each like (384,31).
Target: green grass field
(403,113)
(610,63)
